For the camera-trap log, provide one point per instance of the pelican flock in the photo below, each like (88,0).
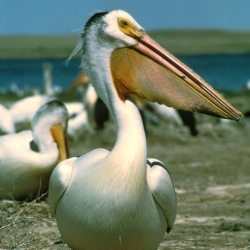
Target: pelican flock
(119,199)
(28,158)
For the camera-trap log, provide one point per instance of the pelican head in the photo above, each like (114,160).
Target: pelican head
(49,125)
(140,66)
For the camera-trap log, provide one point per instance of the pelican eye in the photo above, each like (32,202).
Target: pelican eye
(128,28)
(123,23)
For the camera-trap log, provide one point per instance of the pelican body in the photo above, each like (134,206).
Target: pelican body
(119,199)
(28,158)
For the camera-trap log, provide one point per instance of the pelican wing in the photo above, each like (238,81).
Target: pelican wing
(62,174)
(162,188)
(59,182)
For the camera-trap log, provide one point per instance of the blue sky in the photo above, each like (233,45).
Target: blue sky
(69,16)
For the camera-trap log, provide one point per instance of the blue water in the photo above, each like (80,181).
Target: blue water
(223,72)
(27,74)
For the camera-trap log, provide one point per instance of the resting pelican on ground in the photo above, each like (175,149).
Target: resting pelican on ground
(119,199)
(28,158)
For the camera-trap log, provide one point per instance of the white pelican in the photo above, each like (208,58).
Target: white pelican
(28,158)
(119,199)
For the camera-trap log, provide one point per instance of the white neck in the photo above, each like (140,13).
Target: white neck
(129,153)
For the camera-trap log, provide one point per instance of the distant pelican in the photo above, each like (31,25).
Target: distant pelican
(81,80)
(28,158)
(177,117)
(119,199)
(48,79)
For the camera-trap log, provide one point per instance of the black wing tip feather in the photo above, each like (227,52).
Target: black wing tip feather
(160,164)
(156,163)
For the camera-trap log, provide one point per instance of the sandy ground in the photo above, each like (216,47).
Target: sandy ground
(211,173)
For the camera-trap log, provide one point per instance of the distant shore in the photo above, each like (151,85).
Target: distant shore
(179,42)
